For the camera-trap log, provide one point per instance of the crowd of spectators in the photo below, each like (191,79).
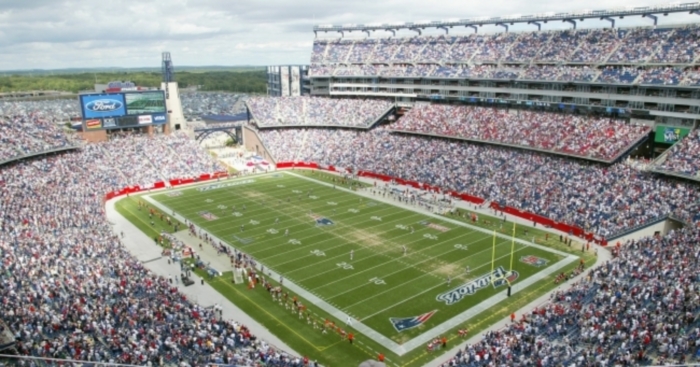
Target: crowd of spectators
(608,74)
(70,289)
(592,46)
(640,308)
(586,136)
(210,103)
(145,160)
(682,47)
(684,157)
(26,129)
(316,111)
(602,199)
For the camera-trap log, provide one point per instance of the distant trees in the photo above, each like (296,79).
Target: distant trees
(249,81)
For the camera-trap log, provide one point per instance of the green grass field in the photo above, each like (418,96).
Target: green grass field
(345,253)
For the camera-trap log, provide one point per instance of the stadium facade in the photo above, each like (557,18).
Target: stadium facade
(288,80)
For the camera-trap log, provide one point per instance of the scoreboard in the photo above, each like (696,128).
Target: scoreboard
(124,109)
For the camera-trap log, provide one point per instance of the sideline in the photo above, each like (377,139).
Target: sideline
(143,249)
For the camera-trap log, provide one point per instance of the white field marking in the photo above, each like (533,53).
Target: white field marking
(316,264)
(441,218)
(253,253)
(313,197)
(333,203)
(408,265)
(402,227)
(430,236)
(237,214)
(460,246)
(332,237)
(234,200)
(440,284)
(209,201)
(353,210)
(345,266)
(317,252)
(294,241)
(377,281)
(254,222)
(400,270)
(380,253)
(253,212)
(339,224)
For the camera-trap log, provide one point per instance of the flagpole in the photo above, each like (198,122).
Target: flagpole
(493,255)
(512,248)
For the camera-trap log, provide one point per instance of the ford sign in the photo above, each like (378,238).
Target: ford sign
(103,105)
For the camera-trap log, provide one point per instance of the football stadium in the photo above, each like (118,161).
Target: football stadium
(418,194)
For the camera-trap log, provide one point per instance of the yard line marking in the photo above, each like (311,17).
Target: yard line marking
(410,280)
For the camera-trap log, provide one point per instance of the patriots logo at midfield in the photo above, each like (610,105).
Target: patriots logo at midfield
(405,323)
(534,261)
(321,221)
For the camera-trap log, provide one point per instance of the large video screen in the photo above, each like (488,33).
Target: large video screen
(102,105)
(145,103)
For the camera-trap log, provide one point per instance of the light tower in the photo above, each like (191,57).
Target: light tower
(168,71)
(176,119)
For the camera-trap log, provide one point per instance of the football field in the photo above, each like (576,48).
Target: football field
(402,276)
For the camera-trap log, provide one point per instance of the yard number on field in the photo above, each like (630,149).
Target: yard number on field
(272,231)
(353,210)
(254,222)
(345,266)
(430,236)
(374,217)
(401,226)
(377,281)
(459,246)
(318,252)
(237,214)
(221,206)
(294,241)
(331,203)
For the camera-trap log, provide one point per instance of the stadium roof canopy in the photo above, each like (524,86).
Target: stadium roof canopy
(504,21)
(226,118)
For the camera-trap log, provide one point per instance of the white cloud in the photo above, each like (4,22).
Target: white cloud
(53,34)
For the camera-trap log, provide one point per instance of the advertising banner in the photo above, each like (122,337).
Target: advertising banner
(670,134)
(109,122)
(284,81)
(102,105)
(140,103)
(93,124)
(159,119)
(145,119)
(296,83)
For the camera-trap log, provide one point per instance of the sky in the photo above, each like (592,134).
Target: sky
(56,34)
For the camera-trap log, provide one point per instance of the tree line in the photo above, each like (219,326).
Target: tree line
(228,81)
